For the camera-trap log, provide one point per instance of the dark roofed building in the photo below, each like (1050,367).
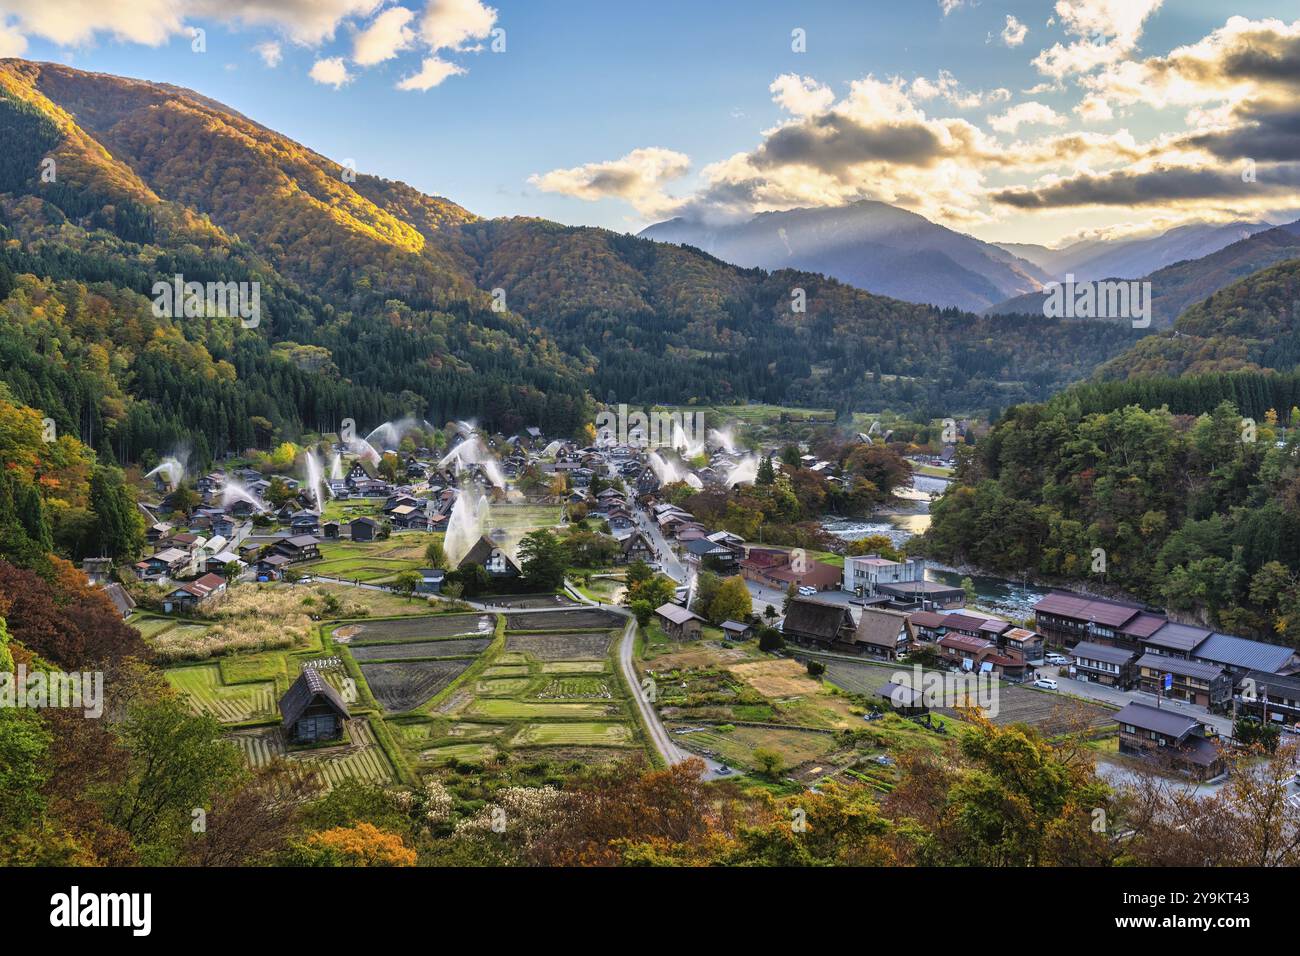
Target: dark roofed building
(1103,664)
(1153,732)
(903,699)
(311,710)
(1197,682)
(1176,640)
(496,562)
(816,622)
(1065,619)
(882,633)
(120,598)
(1270,697)
(1239,655)
(299,547)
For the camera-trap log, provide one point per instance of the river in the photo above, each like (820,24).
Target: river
(910,516)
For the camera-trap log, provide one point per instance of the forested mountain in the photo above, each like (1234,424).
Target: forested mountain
(1183,284)
(1251,324)
(1180,462)
(378,300)
(870,245)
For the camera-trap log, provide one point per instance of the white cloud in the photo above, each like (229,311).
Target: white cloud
(431,73)
(12,43)
(1014,33)
(270,52)
(153,22)
(331,72)
(638,178)
(948,6)
(1094,109)
(449,24)
(1026,114)
(1107,31)
(800,95)
(388,35)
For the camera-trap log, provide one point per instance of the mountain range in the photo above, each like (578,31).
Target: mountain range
(380,301)
(871,245)
(1178,286)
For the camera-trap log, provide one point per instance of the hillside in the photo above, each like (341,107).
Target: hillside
(1178,286)
(378,300)
(870,245)
(1251,324)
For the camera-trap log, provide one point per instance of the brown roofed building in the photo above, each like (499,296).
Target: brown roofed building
(882,633)
(311,710)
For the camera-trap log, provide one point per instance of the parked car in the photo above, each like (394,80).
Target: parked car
(1045,683)
(723,770)
(807,591)
(1059,659)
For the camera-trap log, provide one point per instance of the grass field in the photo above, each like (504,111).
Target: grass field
(736,746)
(230,704)
(528,710)
(579,734)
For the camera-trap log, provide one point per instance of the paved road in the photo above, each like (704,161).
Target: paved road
(672,565)
(659,735)
(1109,695)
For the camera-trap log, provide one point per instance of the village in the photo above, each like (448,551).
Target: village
(818,643)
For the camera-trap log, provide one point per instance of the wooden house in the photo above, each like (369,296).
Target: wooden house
(312,711)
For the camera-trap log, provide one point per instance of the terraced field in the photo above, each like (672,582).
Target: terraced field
(228,703)
(562,647)
(425,627)
(527,710)
(574,734)
(420,650)
(359,759)
(575,688)
(573,667)
(405,685)
(568,620)
(151,626)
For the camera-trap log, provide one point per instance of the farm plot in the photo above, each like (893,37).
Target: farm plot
(359,759)
(575,688)
(574,734)
(405,685)
(228,703)
(561,647)
(423,650)
(737,746)
(427,627)
(573,667)
(502,686)
(570,620)
(465,753)
(527,710)
(151,626)
(863,678)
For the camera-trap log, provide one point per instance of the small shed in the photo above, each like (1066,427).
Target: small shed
(737,630)
(312,711)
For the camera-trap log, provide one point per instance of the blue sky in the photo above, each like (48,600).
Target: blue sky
(581,85)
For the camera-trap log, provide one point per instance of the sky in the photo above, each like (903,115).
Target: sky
(1028,120)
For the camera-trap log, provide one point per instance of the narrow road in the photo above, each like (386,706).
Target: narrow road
(659,735)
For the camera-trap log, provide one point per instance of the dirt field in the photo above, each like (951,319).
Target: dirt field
(561,647)
(778,678)
(422,628)
(544,620)
(419,650)
(403,686)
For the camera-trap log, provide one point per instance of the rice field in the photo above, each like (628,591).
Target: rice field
(528,710)
(405,685)
(228,703)
(573,667)
(568,620)
(466,753)
(427,627)
(361,758)
(574,734)
(575,688)
(423,650)
(562,647)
